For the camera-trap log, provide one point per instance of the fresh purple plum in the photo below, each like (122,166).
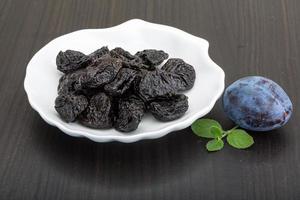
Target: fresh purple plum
(257,103)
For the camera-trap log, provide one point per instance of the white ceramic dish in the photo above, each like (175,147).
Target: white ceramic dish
(42,77)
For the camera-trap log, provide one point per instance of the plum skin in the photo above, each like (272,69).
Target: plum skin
(257,103)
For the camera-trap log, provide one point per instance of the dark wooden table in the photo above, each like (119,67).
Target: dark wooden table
(247,37)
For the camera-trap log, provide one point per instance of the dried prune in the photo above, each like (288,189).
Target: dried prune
(169,109)
(99,113)
(68,83)
(98,54)
(121,54)
(123,81)
(104,71)
(152,57)
(70,61)
(69,106)
(115,88)
(129,60)
(130,113)
(156,84)
(185,71)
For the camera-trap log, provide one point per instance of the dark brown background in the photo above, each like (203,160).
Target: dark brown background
(246,37)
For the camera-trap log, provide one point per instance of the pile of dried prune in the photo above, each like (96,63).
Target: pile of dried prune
(113,88)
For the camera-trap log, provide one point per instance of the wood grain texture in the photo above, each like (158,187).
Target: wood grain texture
(246,37)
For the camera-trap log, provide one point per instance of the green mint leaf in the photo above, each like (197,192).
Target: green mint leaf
(201,127)
(216,132)
(240,139)
(214,145)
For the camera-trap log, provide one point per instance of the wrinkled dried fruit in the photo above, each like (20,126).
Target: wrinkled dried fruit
(129,60)
(129,114)
(169,109)
(152,57)
(156,84)
(99,113)
(103,72)
(68,83)
(70,61)
(123,82)
(132,85)
(98,54)
(69,106)
(121,54)
(185,71)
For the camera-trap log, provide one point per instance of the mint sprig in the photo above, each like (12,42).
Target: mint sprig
(209,128)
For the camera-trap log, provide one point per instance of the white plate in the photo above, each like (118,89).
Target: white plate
(42,76)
